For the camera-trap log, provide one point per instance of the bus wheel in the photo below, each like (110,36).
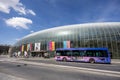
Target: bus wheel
(92,60)
(64,59)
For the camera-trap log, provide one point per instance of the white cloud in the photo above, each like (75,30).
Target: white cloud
(18,22)
(31,31)
(6,6)
(31,12)
(17,39)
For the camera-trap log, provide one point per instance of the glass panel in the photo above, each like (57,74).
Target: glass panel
(75,53)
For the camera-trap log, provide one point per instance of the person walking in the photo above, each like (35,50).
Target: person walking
(25,54)
(19,53)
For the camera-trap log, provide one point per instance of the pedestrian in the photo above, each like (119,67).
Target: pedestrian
(15,54)
(25,54)
(19,53)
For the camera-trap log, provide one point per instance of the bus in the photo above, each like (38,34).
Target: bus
(91,55)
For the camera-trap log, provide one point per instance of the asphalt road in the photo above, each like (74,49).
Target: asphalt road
(111,67)
(37,72)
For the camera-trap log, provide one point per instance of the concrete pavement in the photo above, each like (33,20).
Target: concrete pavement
(51,72)
(83,69)
(57,70)
(4,76)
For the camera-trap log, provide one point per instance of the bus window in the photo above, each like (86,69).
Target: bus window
(97,54)
(58,53)
(67,53)
(82,53)
(101,53)
(75,53)
(90,53)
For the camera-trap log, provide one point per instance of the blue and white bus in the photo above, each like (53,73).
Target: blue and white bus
(92,55)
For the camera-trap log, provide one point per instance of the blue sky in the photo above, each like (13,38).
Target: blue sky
(19,18)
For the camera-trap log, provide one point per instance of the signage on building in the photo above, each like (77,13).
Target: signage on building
(37,47)
(51,45)
(66,44)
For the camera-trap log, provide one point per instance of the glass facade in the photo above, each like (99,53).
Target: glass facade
(105,34)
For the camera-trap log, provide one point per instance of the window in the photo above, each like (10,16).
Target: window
(67,53)
(90,53)
(94,53)
(101,53)
(75,53)
(82,53)
(59,53)
(63,53)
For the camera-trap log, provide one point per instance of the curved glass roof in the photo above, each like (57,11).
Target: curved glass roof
(83,30)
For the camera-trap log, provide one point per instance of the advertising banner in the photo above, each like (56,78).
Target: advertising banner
(66,44)
(37,46)
(51,45)
(22,48)
(29,47)
(47,45)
